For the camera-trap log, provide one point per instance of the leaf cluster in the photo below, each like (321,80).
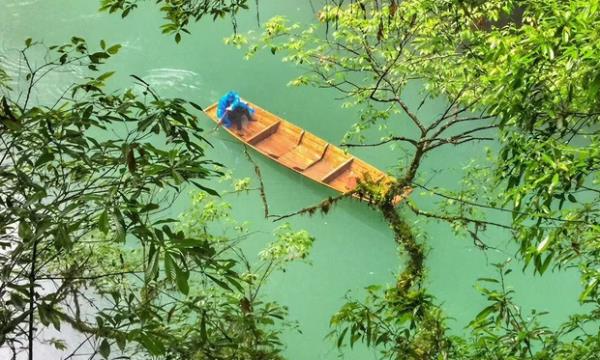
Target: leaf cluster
(86,183)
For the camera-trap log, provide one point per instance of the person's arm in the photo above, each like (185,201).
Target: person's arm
(222,118)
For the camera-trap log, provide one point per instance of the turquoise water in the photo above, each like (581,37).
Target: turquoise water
(354,247)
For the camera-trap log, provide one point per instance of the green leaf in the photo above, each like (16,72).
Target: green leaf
(126,12)
(104,349)
(543,244)
(152,266)
(24,231)
(207,190)
(589,289)
(546,263)
(153,345)
(96,57)
(341,337)
(554,183)
(149,207)
(145,123)
(113,49)
(12,125)
(58,344)
(121,342)
(105,76)
(103,222)
(203,334)
(219,282)
(62,237)
(87,113)
(483,315)
(131,162)
(488,280)
(77,40)
(43,313)
(54,319)
(181,278)
(44,158)
(169,266)
(120,234)
(196,106)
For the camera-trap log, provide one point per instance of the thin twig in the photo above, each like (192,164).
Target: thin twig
(393,138)
(324,206)
(263,195)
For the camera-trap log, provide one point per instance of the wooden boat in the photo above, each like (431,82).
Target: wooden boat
(307,154)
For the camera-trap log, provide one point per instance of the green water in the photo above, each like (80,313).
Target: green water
(354,247)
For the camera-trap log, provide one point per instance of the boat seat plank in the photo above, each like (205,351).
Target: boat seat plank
(347,179)
(251,128)
(320,157)
(322,167)
(264,133)
(275,146)
(379,178)
(301,137)
(302,157)
(338,170)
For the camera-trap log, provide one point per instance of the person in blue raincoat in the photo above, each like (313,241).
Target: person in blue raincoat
(232,111)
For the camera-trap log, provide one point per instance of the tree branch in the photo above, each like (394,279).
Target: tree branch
(323,206)
(262,193)
(393,138)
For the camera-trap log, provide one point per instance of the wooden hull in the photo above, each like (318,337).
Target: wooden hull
(306,153)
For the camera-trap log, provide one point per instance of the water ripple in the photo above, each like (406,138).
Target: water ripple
(21,3)
(163,78)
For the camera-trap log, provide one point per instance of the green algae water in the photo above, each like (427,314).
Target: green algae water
(353,248)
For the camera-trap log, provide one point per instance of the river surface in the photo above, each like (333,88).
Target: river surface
(353,248)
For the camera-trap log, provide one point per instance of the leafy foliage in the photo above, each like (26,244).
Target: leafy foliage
(67,182)
(519,72)
(180,14)
(223,316)
(85,183)
(288,246)
(400,325)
